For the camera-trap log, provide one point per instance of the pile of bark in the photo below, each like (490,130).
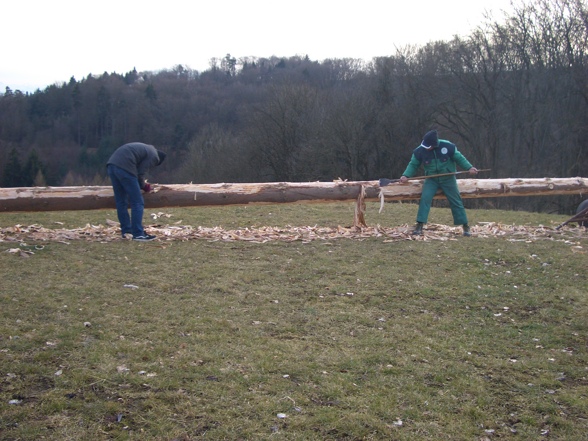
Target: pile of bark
(37,235)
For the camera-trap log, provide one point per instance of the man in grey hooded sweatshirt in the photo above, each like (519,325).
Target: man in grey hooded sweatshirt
(127,168)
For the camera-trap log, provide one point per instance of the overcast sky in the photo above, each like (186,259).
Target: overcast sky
(49,41)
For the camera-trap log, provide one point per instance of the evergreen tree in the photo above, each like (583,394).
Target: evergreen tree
(32,169)
(12,176)
(131,77)
(150,93)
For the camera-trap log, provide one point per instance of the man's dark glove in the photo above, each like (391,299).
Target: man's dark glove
(147,188)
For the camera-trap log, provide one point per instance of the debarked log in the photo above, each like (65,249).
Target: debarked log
(484,188)
(185,195)
(190,195)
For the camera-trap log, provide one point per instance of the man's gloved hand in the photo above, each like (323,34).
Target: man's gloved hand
(147,187)
(403,179)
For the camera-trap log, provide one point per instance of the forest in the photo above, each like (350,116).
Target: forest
(512,95)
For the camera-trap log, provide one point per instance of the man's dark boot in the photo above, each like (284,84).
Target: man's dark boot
(418,229)
(466,230)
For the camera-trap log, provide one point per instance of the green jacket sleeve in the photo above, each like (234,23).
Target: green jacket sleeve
(461,160)
(412,167)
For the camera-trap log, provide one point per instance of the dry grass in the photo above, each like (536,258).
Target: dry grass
(350,339)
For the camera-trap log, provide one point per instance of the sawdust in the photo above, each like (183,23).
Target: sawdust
(262,234)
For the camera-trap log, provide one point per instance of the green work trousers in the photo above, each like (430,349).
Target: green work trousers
(449,187)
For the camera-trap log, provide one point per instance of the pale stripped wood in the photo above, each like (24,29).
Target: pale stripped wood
(187,195)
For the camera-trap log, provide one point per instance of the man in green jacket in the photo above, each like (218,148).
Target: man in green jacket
(438,156)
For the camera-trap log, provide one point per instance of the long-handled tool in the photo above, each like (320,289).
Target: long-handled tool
(582,216)
(384,181)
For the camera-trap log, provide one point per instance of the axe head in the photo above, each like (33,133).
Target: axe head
(384,181)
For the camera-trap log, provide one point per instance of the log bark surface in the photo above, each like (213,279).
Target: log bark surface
(191,195)
(184,195)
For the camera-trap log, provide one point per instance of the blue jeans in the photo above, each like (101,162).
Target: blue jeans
(127,192)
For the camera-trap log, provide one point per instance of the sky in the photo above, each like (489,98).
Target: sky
(46,42)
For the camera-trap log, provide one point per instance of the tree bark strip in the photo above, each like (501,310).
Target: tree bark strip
(191,195)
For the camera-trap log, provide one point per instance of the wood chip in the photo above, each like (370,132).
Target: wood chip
(111,232)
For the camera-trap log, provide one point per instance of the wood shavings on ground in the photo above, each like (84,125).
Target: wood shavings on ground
(262,234)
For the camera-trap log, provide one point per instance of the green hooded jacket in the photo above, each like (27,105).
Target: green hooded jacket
(440,159)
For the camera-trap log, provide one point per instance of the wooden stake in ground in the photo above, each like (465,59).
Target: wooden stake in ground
(359,218)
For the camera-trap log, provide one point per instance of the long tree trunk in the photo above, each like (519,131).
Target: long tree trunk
(189,195)
(482,188)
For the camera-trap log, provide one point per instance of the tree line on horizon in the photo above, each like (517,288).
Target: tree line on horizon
(513,96)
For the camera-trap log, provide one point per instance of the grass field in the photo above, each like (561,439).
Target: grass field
(477,338)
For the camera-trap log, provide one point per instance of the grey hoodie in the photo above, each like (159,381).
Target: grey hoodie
(136,158)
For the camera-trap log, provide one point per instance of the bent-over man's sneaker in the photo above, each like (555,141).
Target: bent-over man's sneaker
(145,238)
(466,230)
